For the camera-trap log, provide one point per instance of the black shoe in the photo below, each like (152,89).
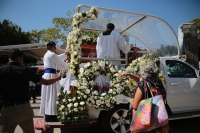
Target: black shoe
(51,118)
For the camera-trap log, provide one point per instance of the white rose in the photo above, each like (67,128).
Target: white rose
(81,70)
(74,98)
(58,94)
(57,102)
(110,91)
(119,90)
(69,100)
(69,105)
(75,109)
(103,94)
(75,104)
(98,102)
(113,92)
(82,103)
(62,106)
(68,92)
(87,91)
(64,100)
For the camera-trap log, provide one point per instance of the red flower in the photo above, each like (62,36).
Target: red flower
(72,88)
(96,88)
(106,88)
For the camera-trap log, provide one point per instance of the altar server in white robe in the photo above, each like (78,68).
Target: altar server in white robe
(109,44)
(52,61)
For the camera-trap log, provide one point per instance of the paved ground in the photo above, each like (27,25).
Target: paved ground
(36,107)
(177,126)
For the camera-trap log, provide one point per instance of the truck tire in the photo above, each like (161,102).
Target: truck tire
(116,120)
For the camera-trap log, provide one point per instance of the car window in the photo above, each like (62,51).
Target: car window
(179,69)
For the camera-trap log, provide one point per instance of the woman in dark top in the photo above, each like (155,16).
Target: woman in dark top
(149,73)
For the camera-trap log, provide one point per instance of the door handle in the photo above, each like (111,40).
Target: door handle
(174,84)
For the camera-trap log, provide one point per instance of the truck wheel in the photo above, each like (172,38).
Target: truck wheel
(116,120)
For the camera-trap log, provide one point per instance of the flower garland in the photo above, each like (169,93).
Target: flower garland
(134,67)
(74,39)
(105,97)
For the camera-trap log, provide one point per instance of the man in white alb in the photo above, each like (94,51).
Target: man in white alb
(109,44)
(51,61)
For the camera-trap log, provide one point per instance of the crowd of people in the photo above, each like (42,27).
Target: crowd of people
(18,83)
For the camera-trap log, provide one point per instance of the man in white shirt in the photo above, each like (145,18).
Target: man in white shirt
(109,44)
(52,62)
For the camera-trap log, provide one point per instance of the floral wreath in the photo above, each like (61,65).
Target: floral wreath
(134,67)
(102,97)
(74,39)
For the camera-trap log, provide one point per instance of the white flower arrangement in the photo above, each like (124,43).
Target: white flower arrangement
(105,97)
(134,67)
(74,39)
(71,107)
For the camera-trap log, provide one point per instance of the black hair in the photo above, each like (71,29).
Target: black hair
(15,53)
(110,26)
(50,44)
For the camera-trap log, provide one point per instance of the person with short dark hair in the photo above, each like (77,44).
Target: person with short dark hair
(14,92)
(52,62)
(109,44)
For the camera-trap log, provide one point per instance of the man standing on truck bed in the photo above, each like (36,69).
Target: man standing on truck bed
(109,44)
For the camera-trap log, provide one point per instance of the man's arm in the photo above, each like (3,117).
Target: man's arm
(122,44)
(51,80)
(60,62)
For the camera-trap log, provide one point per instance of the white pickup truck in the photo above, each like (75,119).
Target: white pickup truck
(182,79)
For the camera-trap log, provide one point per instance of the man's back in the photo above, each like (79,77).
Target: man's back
(109,46)
(14,82)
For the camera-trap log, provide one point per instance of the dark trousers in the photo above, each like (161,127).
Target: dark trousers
(33,92)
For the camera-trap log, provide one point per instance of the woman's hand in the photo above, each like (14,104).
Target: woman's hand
(132,76)
(123,74)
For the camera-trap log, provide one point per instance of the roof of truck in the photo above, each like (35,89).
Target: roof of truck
(151,31)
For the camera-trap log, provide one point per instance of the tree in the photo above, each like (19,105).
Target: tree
(62,27)
(12,34)
(197,21)
(36,36)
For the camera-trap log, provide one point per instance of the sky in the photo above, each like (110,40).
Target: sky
(38,14)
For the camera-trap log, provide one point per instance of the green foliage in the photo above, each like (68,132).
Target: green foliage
(90,37)
(62,27)
(197,21)
(12,34)
(36,36)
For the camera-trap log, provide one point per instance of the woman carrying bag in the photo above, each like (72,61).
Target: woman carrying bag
(149,86)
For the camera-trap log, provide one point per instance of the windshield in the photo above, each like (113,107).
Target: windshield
(152,33)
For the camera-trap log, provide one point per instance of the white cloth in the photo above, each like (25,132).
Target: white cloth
(109,46)
(49,92)
(68,81)
(102,81)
